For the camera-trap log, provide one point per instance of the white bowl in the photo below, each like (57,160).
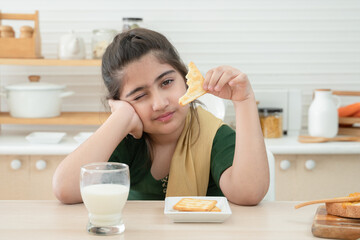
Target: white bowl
(45,137)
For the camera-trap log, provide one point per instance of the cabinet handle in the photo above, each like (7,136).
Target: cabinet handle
(40,164)
(310,164)
(15,164)
(285,164)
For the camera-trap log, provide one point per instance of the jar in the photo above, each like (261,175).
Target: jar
(26,32)
(101,38)
(271,122)
(323,118)
(7,31)
(131,23)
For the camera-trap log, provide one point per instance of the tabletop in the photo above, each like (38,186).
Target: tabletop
(42,219)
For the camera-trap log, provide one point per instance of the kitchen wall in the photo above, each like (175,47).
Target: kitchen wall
(302,44)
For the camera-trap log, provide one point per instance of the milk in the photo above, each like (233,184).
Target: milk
(105,203)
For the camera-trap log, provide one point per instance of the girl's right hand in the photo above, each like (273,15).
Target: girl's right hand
(136,125)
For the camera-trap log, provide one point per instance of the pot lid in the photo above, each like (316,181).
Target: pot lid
(34,84)
(30,86)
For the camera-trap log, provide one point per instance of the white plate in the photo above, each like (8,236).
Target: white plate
(178,216)
(82,136)
(45,137)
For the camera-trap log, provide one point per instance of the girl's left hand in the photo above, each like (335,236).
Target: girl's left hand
(228,83)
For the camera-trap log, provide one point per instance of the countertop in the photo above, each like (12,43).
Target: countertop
(15,143)
(290,145)
(146,220)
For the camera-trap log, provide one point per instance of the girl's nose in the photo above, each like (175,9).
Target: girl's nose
(159,102)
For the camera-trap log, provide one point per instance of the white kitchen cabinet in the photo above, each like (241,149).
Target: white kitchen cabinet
(27,176)
(303,177)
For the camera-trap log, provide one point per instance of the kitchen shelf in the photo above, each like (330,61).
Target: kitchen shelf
(49,62)
(349,120)
(66,118)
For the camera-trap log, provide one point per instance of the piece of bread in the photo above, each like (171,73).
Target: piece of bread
(195,82)
(346,209)
(195,205)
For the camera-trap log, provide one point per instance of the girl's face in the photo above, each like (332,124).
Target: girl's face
(154,89)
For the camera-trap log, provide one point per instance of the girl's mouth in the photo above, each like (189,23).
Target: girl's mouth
(165,117)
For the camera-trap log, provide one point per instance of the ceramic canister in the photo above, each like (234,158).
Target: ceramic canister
(323,120)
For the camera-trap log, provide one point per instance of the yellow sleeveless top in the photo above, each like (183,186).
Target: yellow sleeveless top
(190,164)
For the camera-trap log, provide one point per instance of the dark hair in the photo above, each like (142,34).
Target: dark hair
(130,46)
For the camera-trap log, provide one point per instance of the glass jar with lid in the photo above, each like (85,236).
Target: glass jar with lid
(101,38)
(271,122)
(131,23)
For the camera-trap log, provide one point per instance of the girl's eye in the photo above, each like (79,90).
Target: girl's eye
(167,82)
(139,97)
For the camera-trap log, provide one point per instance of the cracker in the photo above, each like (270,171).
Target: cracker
(195,205)
(195,82)
(215,209)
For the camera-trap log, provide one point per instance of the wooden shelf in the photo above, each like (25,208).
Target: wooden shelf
(349,120)
(66,118)
(49,62)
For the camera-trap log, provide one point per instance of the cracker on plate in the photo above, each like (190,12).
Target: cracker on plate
(195,205)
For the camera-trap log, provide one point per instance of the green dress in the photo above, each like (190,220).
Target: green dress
(143,186)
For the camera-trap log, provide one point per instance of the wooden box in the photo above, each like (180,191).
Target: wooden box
(21,47)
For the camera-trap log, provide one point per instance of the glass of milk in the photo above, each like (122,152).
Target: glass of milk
(104,189)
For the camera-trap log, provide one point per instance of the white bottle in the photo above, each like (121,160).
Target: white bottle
(323,120)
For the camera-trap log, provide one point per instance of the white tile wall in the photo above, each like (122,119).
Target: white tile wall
(302,44)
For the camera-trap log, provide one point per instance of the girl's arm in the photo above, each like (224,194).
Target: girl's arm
(97,148)
(247,180)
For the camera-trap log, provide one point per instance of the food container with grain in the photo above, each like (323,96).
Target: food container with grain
(101,38)
(271,120)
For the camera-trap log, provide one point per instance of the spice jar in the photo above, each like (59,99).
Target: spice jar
(7,31)
(101,38)
(26,32)
(131,23)
(271,122)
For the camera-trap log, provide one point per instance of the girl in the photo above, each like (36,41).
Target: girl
(171,150)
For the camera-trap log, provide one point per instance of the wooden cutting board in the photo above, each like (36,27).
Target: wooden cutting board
(329,226)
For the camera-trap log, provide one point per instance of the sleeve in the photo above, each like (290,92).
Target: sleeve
(222,153)
(124,152)
(133,152)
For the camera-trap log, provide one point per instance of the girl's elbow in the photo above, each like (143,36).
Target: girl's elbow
(62,193)
(249,198)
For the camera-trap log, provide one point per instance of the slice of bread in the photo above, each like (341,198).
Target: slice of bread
(195,82)
(346,209)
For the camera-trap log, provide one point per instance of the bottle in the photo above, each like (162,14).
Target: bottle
(323,120)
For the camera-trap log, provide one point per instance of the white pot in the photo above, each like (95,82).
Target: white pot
(35,99)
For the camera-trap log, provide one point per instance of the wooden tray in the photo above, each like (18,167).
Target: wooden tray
(329,226)
(21,47)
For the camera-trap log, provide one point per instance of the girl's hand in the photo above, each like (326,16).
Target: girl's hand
(135,124)
(228,83)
